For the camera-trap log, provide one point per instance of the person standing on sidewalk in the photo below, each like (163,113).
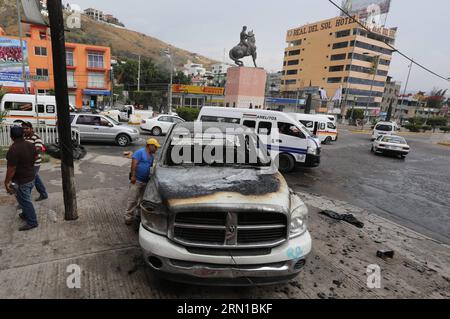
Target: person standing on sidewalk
(142,162)
(32,137)
(20,158)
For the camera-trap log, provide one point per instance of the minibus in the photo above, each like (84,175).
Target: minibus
(287,139)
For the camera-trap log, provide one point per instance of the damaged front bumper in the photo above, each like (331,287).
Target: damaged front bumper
(176,263)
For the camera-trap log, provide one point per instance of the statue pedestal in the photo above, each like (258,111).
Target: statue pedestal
(245,87)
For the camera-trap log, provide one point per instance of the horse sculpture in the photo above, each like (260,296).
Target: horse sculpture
(240,51)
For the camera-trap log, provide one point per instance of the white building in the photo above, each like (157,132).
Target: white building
(194,69)
(94,14)
(220,68)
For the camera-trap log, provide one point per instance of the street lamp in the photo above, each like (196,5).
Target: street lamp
(377,59)
(169,55)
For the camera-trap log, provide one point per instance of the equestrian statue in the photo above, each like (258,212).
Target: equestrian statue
(246,47)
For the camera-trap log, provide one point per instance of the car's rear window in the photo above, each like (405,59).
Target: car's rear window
(394,139)
(384,127)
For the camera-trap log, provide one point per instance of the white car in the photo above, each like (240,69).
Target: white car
(160,124)
(391,144)
(384,128)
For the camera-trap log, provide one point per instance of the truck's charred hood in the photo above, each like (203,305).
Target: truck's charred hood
(181,187)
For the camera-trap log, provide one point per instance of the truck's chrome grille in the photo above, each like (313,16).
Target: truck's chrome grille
(229,230)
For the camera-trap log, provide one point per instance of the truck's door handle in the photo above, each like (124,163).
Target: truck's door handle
(96,128)
(277,141)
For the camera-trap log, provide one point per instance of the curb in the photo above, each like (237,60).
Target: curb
(446,143)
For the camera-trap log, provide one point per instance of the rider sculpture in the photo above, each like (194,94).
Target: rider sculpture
(246,47)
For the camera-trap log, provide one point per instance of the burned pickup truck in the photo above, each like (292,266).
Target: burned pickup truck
(217,211)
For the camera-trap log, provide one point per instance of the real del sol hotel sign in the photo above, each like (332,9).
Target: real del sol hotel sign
(335,23)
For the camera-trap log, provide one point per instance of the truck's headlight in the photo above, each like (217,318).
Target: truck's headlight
(299,221)
(153,219)
(312,150)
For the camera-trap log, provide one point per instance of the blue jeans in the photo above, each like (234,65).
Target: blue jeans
(23,196)
(39,184)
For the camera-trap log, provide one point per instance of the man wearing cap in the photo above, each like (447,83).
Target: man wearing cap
(35,139)
(20,162)
(142,162)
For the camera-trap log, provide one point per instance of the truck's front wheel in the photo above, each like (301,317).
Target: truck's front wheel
(286,163)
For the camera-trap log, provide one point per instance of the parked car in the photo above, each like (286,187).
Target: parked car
(384,128)
(102,128)
(391,144)
(161,124)
(221,222)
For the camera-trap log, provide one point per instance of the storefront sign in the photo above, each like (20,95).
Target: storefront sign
(97,92)
(192,89)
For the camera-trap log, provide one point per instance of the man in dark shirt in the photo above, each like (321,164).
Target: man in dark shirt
(21,157)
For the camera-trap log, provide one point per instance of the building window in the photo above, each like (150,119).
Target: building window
(295,43)
(293,62)
(43,35)
(71,79)
(294,52)
(336,68)
(371,47)
(366,82)
(41,51)
(340,45)
(95,60)
(337,57)
(291,82)
(291,72)
(42,72)
(342,34)
(96,80)
(69,58)
(334,80)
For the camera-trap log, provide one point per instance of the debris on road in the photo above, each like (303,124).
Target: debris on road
(384,254)
(349,218)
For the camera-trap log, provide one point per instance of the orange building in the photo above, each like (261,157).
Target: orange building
(88,68)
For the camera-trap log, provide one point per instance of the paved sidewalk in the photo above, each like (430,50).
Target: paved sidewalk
(34,264)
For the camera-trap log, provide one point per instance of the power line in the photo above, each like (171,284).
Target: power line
(391,46)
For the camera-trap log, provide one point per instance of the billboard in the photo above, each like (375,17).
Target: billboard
(191,89)
(370,11)
(11,56)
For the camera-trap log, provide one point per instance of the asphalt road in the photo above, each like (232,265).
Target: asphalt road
(413,192)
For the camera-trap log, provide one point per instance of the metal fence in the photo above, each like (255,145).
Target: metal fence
(48,134)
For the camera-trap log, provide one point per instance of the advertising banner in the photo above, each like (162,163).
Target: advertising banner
(11,56)
(371,11)
(192,89)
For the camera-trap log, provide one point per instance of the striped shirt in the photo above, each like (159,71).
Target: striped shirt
(37,142)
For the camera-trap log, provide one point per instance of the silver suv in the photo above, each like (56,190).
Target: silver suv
(102,128)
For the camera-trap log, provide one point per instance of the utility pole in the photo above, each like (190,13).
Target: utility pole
(24,75)
(62,103)
(404,92)
(169,94)
(139,75)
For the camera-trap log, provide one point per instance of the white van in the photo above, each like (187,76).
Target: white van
(384,128)
(286,138)
(319,125)
(23,107)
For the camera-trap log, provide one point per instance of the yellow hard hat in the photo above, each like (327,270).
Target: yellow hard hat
(153,141)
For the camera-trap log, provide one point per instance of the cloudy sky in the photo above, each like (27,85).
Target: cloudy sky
(211,27)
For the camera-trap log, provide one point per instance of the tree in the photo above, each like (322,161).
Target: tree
(436,98)
(437,122)
(357,114)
